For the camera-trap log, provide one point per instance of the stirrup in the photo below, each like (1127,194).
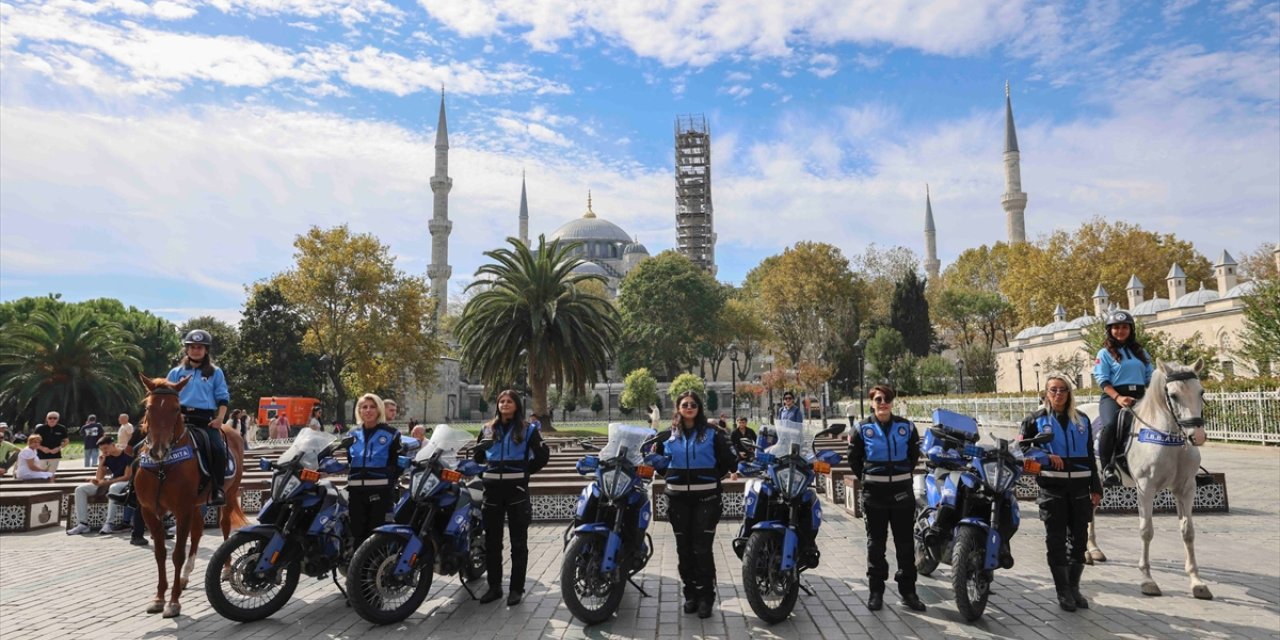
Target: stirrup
(217,497)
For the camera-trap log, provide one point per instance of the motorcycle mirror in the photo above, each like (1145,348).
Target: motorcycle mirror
(833,430)
(747,443)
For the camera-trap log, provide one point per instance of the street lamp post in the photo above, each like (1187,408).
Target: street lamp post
(1036,367)
(1018,355)
(960,371)
(769,359)
(755,404)
(858,348)
(608,399)
(733,380)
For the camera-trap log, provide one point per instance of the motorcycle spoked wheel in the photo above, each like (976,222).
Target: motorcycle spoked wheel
(590,596)
(376,593)
(970,580)
(770,592)
(233,589)
(925,562)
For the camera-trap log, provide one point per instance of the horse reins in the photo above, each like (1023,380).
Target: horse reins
(1191,423)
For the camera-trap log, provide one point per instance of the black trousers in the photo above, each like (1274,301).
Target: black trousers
(890,508)
(694,518)
(507,501)
(1066,512)
(368,510)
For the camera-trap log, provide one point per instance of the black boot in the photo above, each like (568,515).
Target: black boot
(705,605)
(1111,476)
(912,600)
(216,496)
(1074,576)
(690,605)
(494,593)
(514,598)
(1062,584)
(876,600)
(1006,555)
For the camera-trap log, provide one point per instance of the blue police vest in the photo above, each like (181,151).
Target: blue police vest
(886,452)
(1070,442)
(506,455)
(370,454)
(693,460)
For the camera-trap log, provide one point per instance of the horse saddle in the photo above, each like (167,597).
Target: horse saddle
(207,455)
(1124,427)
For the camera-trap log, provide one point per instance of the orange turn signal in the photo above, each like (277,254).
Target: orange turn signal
(645,471)
(1030,467)
(309,475)
(821,467)
(449,475)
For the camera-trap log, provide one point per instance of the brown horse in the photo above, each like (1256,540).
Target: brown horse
(174,487)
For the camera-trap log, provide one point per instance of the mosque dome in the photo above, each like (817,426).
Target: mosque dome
(590,268)
(1029,332)
(635,247)
(590,228)
(1082,322)
(1196,298)
(1054,327)
(1151,307)
(1243,289)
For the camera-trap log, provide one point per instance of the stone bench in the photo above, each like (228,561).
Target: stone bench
(30,508)
(1210,498)
(253,492)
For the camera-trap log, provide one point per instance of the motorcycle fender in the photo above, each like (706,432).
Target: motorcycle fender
(993,550)
(322,519)
(261,530)
(271,552)
(460,523)
(268,511)
(611,548)
(592,528)
(646,515)
(751,496)
(970,480)
(790,542)
(408,557)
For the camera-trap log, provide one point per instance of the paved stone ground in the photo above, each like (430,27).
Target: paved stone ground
(55,587)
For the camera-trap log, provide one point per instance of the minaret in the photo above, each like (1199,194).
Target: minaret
(1100,300)
(1014,200)
(1226,272)
(440,226)
(931,262)
(524,213)
(1135,291)
(1177,281)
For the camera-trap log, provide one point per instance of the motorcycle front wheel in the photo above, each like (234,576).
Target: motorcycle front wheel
(970,580)
(591,596)
(770,591)
(376,593)
(925,562)
(236,590)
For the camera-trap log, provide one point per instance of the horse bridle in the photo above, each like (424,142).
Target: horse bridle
(1189,423)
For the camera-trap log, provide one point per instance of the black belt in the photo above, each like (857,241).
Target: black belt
(203,413)
(1130,390)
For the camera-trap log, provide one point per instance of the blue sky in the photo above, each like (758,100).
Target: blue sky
(167,152)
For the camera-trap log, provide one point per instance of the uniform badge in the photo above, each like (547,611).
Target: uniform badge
(902,431)
(869,432)
(382,439)
(1046,429)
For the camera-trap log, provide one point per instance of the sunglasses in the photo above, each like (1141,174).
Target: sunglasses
(1057,390)
(881,400)
(688,405)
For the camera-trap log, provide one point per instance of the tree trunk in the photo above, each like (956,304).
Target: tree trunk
(539,388)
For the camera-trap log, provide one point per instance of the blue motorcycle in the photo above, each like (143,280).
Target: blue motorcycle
(984,483)
(608,542)
(303,529)
(439,530)
(774,504)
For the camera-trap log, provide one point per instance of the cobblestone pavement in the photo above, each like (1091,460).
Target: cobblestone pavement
(52,586)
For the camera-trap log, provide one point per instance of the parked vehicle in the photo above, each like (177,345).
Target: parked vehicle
(608,542)
(438,530)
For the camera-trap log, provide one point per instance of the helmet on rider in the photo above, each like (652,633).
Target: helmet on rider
(198,336)
(1119,317)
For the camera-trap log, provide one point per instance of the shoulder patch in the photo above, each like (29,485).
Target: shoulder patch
(902,430)
(869,432)
(382,439)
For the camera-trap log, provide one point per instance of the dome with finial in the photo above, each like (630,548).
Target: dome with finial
(590,227)
(1151,307)
(635,247)
(1196,298)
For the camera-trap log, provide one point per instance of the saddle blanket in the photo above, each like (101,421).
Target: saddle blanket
(181,454)
(1162,439)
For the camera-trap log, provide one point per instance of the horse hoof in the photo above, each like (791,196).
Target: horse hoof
(183,583)
(1201,592)
(156,607)
(172,610)
(1096,555)
(1151,589)
(1088,559)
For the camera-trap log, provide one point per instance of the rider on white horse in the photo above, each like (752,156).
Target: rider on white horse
(1123,371)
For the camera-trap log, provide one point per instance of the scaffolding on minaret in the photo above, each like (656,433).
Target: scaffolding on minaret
(695,230)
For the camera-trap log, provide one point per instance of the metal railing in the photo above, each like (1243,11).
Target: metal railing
(1242,416)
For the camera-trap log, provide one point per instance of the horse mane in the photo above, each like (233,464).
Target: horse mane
(1152,408)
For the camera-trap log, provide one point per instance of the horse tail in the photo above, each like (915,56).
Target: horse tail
(233,512)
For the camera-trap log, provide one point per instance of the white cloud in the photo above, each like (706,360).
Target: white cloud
(737,76)
(701,32)
(823,65)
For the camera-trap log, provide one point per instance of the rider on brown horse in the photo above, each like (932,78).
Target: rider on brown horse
(204,402)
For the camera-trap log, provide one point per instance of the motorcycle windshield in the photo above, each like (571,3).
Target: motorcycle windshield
(790,433)
(629,436)
(306,448)
(447,440)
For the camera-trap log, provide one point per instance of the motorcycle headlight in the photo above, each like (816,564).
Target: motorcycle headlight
(791,481)
(615,483)
(283,486)
(423,484)
(1000,477)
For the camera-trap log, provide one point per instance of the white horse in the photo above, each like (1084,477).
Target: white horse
(655,417)
(1163,458)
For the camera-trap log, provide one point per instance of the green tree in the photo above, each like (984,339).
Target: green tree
(531,310)
(975,317)
(668,308)
(597,404)
(686,382)
(372,321)
(226,340)
(713,401)
(271,359)
(979,368)
(639,390)
(881,269)
(809,299)
(933,373)
(1260,340)
(885,351)
(156,338)
(67,361)
(909,314)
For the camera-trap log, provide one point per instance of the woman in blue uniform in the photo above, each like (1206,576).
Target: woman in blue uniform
(204,402)
(1123,371)
(700,456)
(512,450)
(883,451)
(1069,486)
(374,452)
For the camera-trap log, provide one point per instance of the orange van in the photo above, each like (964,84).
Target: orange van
(297,410)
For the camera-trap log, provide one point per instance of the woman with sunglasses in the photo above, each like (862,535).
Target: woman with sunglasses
(883,451)
(1070,487)
(700,456)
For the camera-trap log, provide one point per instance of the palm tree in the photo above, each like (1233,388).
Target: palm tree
(68,361)
(533,310)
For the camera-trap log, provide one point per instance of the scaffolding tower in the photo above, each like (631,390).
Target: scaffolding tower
(695,233)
